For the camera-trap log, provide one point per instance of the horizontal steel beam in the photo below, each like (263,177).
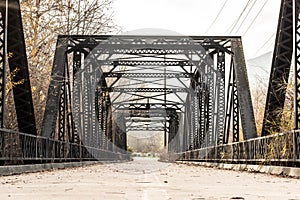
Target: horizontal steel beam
(121,43)
(145,120)
(128,103)
(146,129)
(173,90)
(150,63)
(145,75)
(150,106)
(147,115)
(166,37)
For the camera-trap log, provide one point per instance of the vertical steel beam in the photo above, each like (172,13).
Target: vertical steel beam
(3,53)
(165,107)
(220,97)
(243,89)
(70,125)
(86,104)
(232,109)
(77,62)
(195,125)
(194,97)
(173,128)
(109,122)
(62,109)
(202,110)
(211,100)
(297,64)
(235,110)
(280,70)
(189,122)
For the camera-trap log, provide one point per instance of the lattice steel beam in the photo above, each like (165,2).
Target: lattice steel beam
(147,115)
(3,53)
(297,64)
(142,120)
(150,63)
(235,110)
(202,112)
(126,90)
(145,75)
(146,106)
(220,97)
(210,107)
(123,42)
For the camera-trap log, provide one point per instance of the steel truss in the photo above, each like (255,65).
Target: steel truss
(147,83)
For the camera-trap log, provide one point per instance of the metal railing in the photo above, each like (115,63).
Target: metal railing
(277,149)
(16,147)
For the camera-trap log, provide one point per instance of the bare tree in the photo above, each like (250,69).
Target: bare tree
(152,143)
(43,21)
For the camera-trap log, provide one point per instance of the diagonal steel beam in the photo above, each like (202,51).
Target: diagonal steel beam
(19,68)
(243,90)
(280,70)
(56,83)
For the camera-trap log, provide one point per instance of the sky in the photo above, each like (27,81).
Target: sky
(257,24)
(199,17)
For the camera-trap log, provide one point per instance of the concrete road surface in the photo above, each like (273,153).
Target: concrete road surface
(147,179)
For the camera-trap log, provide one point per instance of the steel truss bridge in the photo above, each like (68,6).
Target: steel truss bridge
(194,90)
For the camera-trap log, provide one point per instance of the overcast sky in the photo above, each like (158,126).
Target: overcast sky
(194,17)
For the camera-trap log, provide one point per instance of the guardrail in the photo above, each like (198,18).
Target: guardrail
(16,147)
(278,149)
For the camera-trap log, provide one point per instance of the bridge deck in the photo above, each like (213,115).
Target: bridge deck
(145,179)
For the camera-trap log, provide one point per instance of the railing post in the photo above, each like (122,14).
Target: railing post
(80,152)
(1,145)
(295,145)
(10,146)
(47,148)
(36,147)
